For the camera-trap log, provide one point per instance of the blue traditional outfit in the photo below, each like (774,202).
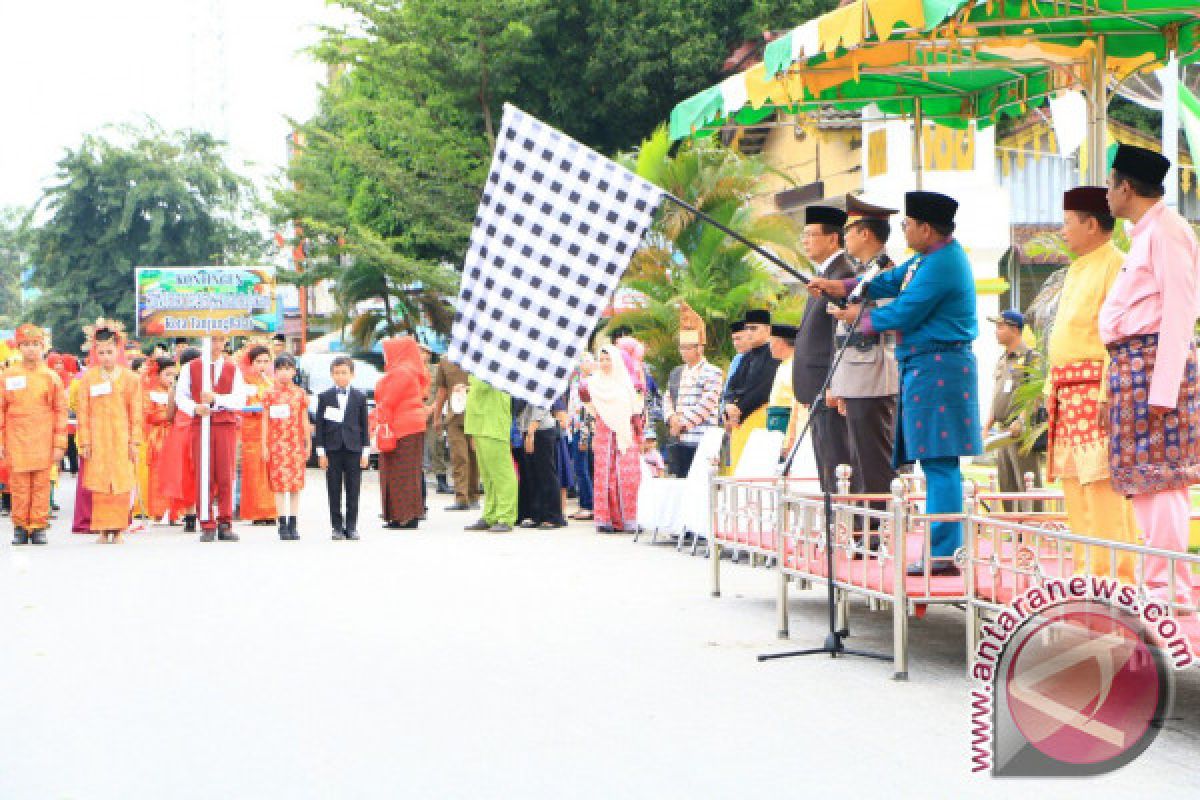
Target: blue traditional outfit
(934,317)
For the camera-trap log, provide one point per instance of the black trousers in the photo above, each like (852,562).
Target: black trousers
(72,455)
(831,446)
(345,471)
(871,425)
(539,494)
(680,456)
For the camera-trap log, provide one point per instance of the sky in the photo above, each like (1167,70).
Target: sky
(71,67)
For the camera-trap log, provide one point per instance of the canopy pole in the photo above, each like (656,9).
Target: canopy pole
(918,148)
(1168,76)
(1097,98)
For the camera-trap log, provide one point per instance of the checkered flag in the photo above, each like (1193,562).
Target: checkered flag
(555,230)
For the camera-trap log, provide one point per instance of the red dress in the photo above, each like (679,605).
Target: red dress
(287,448)
(157,427)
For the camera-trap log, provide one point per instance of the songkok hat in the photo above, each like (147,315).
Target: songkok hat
(757,316)
(1144,165)
(29,332)
(784,331)
(824,215)
(737,327)
(931,207)
(1088,199)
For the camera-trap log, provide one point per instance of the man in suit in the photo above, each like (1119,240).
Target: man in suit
(343,437)
(865,383)
(824,243)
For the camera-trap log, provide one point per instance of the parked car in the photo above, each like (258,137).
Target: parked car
(313,369)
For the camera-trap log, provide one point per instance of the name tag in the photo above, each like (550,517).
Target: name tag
(101,389)
(285,411)
(158,398)
(14,383)
(334,414)
(1008,386)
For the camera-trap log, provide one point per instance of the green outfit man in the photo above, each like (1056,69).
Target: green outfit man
(488,423)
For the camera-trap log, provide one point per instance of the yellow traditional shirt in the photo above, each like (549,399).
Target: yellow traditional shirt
(781,390)
(110,419)
(1076,333)
(33,417)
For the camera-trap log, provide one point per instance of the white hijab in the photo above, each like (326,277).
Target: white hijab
(614,398)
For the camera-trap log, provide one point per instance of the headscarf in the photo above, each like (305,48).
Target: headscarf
(614,397)
(633,352)
(400,393)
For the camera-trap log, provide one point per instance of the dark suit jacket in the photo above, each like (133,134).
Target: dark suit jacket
(814,340)
(353,432)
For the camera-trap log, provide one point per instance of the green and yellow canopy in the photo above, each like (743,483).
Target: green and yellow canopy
(966,60)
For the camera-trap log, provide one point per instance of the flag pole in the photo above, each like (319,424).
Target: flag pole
(768,255)
(205,427)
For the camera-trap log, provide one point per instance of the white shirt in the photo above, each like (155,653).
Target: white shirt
(234,401)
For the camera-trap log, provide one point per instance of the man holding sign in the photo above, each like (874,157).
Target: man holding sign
(221,404)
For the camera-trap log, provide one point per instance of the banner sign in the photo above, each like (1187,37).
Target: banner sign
(201,301)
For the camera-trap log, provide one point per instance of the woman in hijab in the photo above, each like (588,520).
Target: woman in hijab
(401,417)
(614,402)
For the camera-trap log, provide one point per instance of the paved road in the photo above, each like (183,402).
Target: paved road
(444,664)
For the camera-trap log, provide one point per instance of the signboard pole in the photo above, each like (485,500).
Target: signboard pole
(205,429)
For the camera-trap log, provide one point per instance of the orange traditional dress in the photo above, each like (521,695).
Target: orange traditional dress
(33,422)
(287,438)
(110,419)
(155,430)
(258,502)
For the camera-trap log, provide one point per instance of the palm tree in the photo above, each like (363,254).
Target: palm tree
(687,260)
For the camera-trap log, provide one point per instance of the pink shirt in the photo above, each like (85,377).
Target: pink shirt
(1157,292)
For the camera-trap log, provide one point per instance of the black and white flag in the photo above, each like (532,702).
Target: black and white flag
(556,228)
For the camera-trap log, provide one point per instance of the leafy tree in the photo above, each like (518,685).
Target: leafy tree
(14,259)
(688,260)
(134,198)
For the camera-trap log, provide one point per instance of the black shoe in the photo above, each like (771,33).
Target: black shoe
(338,534)
(293,534)
(189,523)
(459,507)
(208,535)
(20,536)
(528,523)
(605,529)
(285,533)
(939,568)
(225,533)
(478,525)
(262,522)
(352,535)
(443,486)
(38,537)
(411,525)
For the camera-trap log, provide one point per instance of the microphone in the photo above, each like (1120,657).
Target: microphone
(867,277)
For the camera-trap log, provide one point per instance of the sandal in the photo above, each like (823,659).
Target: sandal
(582,516)
(549,526)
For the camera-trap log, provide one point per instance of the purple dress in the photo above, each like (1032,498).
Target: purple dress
(82,523)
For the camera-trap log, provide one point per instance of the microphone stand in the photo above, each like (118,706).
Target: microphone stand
(833,644)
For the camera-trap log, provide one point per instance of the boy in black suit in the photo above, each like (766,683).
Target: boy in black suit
(342,441)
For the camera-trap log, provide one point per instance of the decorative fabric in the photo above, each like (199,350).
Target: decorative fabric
(1150,453)
(1078,443)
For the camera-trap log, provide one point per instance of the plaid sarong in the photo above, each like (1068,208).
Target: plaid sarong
(1150,454)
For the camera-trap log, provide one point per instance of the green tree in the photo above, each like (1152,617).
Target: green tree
(134,198)
(688,260)
(14,259)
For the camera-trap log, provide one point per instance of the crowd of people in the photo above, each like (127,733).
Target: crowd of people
(883,379)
